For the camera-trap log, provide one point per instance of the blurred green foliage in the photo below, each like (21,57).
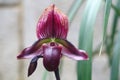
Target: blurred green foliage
(110,42)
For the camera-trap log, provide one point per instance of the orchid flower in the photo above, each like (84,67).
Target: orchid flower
(52,29)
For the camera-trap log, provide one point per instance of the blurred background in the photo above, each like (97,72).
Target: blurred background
(18,19)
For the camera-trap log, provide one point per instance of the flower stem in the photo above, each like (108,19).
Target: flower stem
(57,74)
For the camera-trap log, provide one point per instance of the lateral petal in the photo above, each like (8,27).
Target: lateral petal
(34,50)
(71,51)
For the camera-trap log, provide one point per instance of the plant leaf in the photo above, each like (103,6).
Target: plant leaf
(73,9)
(116,48)
(106,18)
(86,38)
(115,60)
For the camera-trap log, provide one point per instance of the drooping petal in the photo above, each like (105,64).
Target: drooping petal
(33,65)
(51,56)
(71,51)
(52,23)
(34,50)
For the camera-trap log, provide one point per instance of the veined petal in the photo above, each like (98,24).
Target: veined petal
(70,51)
(34,50)
(60,24)
(51,56)
(52,23)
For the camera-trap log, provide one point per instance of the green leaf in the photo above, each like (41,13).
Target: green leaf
(116,48)
(73,9)
(115,60)
(117,10)
(106,18)
(84,68)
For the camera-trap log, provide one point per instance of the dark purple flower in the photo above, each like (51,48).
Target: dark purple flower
(52,29)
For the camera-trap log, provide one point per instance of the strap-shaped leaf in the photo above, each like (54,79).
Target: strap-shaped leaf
(106,18)
(74,9)
(116,60)
(116,50)
(84,68)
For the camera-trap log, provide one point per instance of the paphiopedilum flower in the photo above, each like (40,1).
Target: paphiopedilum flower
(52,29)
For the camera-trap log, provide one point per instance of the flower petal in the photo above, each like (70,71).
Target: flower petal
(51,56)
(52,23)
(79,55)
(33,65)
(34,50)
(70,51)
